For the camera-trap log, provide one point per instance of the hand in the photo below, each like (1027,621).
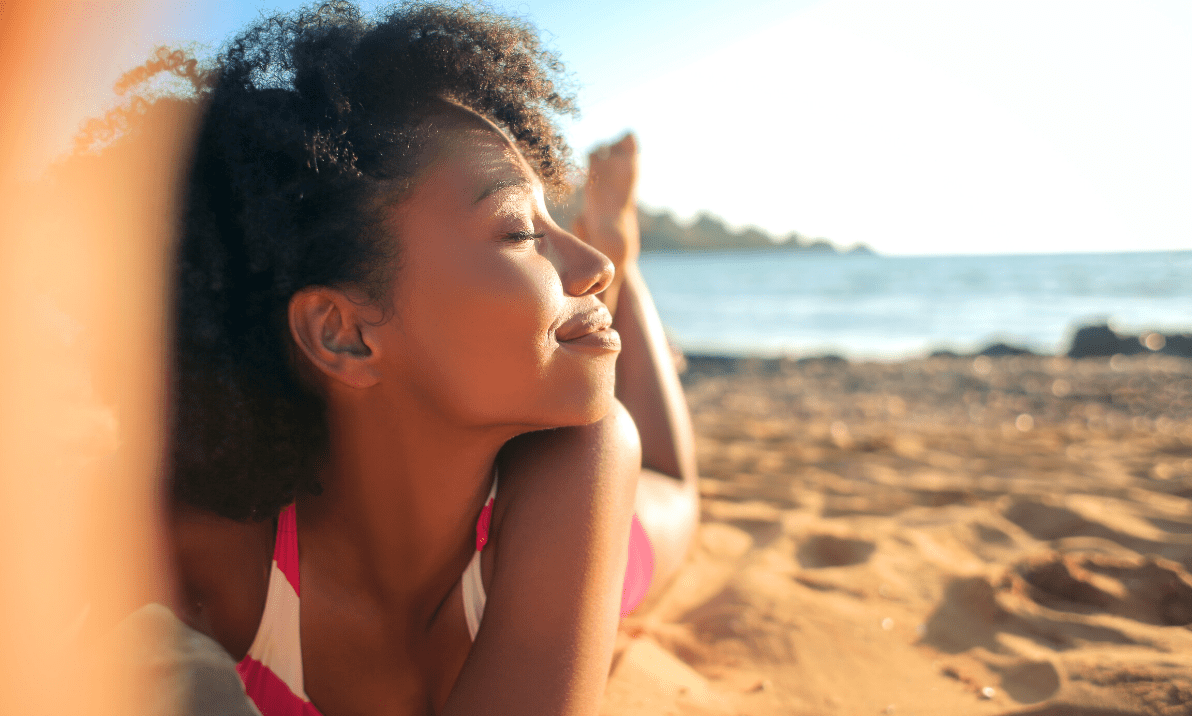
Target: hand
(608,221)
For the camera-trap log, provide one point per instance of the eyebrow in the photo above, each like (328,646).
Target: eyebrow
(501,184)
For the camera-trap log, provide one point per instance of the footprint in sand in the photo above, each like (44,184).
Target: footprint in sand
(1003,627)
(1071,710)
(818,551)
(970,617)
(1147,589)
(1089,516)
(1049,522)
(1029,682)
(1175,527)
(763,532)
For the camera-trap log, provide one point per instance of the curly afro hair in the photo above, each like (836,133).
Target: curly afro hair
(310,128)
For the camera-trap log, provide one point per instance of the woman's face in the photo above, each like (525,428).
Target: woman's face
(496,319)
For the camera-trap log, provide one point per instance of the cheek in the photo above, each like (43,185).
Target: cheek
(511,310)
(478,329)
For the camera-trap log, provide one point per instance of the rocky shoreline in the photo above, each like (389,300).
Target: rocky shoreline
(1099,341)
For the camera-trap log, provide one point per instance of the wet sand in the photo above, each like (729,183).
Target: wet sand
(941,536)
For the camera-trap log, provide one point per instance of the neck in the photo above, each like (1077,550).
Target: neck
(402,493)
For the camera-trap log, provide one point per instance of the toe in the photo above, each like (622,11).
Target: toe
(626,144)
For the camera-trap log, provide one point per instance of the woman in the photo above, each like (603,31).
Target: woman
(377,322)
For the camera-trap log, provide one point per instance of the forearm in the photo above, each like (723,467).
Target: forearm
(648,385)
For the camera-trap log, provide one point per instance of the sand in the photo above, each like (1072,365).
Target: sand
(938,536)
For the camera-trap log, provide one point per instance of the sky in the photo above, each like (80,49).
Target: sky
(913,126)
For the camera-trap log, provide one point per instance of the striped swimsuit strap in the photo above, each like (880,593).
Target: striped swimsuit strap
(272,670)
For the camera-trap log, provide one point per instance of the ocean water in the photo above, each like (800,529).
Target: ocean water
(772,304)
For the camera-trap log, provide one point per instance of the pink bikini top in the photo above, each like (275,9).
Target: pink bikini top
(272,670)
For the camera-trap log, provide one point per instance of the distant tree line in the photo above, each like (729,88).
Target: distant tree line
(662,233)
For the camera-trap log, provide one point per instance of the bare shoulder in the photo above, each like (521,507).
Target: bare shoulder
(223,574)
(605,453)
(562,542)
(578,480)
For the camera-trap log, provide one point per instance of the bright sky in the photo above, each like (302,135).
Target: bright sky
(916,126)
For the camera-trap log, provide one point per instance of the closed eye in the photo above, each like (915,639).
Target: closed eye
(519,236)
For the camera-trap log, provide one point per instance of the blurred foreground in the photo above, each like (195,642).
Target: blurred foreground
(989,535)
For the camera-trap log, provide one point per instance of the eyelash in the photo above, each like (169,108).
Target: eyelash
(519,236)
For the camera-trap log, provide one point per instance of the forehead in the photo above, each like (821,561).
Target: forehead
(481,151)
(471,159)
(455,130)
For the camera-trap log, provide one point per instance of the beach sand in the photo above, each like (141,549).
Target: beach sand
(939,536)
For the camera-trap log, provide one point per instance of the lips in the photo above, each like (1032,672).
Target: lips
(590,329)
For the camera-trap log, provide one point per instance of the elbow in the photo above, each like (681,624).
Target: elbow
(621,446)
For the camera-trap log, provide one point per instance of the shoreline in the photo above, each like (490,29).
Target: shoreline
(1092,341)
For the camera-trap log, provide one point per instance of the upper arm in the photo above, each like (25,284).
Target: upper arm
(553,604)
(223,575)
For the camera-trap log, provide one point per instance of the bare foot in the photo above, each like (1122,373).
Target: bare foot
(608,220)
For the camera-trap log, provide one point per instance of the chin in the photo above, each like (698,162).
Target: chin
(586,400)
(596,410)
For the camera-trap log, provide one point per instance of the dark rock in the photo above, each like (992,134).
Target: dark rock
(1131,345)
(828,358)
(944,353)
(1177,344)
(711,365)
(1102,341)
(754,366)
(1002,349)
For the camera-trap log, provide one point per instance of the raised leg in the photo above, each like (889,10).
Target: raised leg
(667,500)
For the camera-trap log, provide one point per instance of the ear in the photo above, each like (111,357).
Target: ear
(333,332)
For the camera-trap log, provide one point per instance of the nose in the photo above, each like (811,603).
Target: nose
(582,269)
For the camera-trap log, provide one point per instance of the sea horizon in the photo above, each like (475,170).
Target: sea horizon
(773,304)
(843,252)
